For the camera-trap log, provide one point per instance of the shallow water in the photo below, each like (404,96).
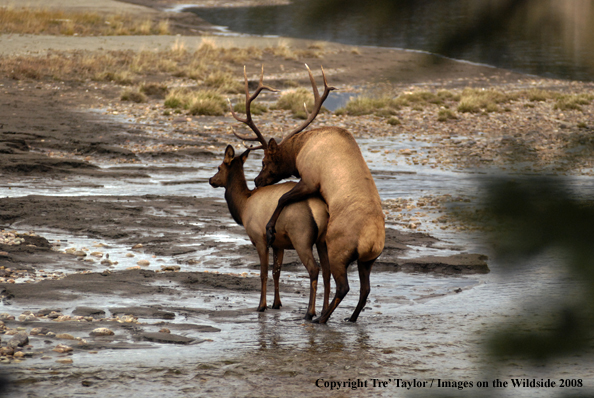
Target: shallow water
(417,323)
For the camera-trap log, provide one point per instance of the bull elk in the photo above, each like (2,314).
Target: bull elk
(328,161)
(300,226)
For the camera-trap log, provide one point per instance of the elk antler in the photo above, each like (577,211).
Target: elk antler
(248,115)
(318,101)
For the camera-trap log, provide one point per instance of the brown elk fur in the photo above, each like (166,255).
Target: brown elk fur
(301,225)
(329,162)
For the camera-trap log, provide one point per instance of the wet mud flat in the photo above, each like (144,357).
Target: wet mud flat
(179,306)
(181,283)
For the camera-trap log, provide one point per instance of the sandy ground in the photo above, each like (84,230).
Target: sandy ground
(50,137)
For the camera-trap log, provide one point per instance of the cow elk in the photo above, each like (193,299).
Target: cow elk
(299,227)
(328,162)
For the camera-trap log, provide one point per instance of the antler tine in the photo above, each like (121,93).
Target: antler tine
(318,101)
(248,119)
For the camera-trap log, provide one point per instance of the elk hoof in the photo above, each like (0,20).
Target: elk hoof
(261,309)
(350,320)
(277,306)
(309,317)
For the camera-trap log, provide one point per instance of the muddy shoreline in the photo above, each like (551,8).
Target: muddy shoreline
(176,282)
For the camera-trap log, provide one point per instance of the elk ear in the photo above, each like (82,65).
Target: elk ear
(229,154)
(244,156)
(272,146)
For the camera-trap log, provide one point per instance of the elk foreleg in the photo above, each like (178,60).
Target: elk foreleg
(277,255)
(299,192)
(263,253)
(342,288)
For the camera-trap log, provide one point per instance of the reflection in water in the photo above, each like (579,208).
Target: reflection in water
(547,37)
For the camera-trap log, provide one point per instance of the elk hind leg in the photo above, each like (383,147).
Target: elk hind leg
(364,271)
(307,258)
(325,265)
(277,255)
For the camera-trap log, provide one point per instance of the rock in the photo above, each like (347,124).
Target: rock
(6,351)
(19,354)
(143,262)
(455,264)
(173,268)
(54,314)
(64,360)
(89,311)
(97,254)
(18,340)
(102,332)
(166,338)
(47,312)
(6,317)
(138,246)
(38,331)
(164,330)
(27,317)
(62,348)
(65,336)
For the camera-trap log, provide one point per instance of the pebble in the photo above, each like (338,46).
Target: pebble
(164,330)
(102,332)
(62,348)
(138,246)
(143,262)
(38,331)
(64,360)
(97,254)
(170,268)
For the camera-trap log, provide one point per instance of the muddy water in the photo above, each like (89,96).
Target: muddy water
(416,326)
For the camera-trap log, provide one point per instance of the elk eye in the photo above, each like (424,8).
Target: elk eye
(263,165)
(219,168)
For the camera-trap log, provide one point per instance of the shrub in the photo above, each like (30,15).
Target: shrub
(573,101)
(294,100)
(475,100)
(446,114)
(133,95)
(256,108)
(223,81)
(207,102)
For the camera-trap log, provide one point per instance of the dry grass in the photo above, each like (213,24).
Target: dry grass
(293,100)
(477,100)
(573,101)
(50,22)
(196,102)
(224,81)
(133,95)
(256,108)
